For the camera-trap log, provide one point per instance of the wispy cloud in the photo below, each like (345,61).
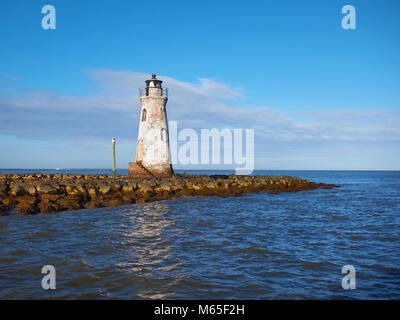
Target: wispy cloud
(220,90)
(116,108)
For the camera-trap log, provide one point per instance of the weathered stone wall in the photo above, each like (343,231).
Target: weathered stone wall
(46,193)
(138,171)
(153,141)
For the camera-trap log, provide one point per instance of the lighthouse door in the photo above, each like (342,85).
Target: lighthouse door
(139,153)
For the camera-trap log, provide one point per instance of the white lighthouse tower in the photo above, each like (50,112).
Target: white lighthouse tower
(152,151)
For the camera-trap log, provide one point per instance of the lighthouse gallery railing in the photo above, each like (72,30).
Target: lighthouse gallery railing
(145,92)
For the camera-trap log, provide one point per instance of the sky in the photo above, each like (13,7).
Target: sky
(319,97)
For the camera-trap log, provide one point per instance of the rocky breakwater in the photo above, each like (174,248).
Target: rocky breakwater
(47,193)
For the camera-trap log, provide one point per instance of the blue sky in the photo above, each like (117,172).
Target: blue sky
(318,96)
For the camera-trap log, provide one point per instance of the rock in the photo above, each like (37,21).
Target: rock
(80,188)
(74,189)
(219,176)
(29,188)
(164,187)
(194,186)
(132,184)
(143,187)
(25,205)
(26,199)
(46,188)
(92,205)
(16,189)
(104,189)
(69,203)
(70,189)
(224,185)
(3,188)
(46,198)
(6,202)
(92,192)
(211,185)
(48,207)
(177,186)
(127,188)
(116,186)
(114,203)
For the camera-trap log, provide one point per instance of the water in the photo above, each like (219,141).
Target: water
(261,246)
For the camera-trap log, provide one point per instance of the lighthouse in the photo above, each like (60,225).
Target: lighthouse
(153,157)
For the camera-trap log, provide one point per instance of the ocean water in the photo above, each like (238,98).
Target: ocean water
(260,246)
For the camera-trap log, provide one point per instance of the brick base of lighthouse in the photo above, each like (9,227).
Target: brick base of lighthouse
(137,170)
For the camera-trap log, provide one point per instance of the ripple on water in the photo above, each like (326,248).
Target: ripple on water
(283,246)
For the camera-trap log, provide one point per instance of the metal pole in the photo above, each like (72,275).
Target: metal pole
(113,144)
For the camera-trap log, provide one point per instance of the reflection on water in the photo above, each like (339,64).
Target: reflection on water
(260,246)
(148,252)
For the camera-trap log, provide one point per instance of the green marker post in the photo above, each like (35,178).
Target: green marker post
(114,171)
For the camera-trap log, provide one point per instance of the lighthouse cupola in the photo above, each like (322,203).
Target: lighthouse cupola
(153,86)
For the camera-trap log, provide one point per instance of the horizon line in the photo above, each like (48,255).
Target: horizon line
(67,169)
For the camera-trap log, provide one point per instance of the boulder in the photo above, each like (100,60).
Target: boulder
(48,207)
(46,198)
(143,187)
(44,187)
(74,189)
(3,188)
(16,189)
(114,202)
(29,188)
(70,203)
(104,188)
(92,192)
(92,205)
(211,185)
(219,176)
(127,188)
(25,205)
(194,186)
(164,187)
(6,202)
(116,186)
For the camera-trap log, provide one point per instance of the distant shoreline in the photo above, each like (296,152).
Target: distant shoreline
(179,171)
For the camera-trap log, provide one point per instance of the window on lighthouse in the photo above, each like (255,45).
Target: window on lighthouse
(144,113)
(162,134)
